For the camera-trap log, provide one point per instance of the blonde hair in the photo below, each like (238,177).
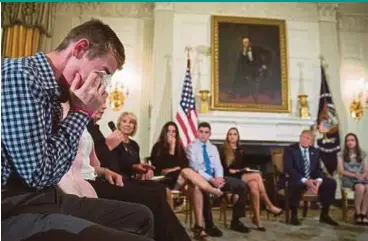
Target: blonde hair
(132,116)
(227,149)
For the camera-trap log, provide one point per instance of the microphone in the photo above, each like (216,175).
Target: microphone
(112,126)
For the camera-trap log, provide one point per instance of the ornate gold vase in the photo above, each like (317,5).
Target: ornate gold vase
(205,96)
(303,106)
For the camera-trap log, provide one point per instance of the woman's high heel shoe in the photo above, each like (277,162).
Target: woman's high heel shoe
(259,228)
(199,233)
(275,214)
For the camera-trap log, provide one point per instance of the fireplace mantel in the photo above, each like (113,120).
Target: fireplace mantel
(257,126)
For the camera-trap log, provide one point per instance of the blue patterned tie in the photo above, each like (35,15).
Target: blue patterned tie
(306,164)
(207,160)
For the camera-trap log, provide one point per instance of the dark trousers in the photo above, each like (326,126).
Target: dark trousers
(235,186)
(326,193)
(49,214)
(152,195)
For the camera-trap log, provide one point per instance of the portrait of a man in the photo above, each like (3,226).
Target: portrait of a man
(249,64)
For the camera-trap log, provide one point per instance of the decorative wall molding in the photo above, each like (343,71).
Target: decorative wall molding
(353,23)
(132,10)
(289,11)
(164,6)
(328,11)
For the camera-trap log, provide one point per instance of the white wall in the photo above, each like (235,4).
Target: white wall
(353,33)
(337,31)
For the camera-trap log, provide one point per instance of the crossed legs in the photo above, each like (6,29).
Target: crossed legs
(188,175)
(258,191)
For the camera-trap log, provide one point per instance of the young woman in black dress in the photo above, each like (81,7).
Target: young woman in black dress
(169,158)
(232,157)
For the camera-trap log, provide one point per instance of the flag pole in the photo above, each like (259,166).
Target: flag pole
(188,49)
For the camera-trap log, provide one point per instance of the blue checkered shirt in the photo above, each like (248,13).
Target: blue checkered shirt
(36,144)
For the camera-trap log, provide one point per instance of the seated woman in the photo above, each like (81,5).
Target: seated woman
(129,161)
(169,158)
(233,162)
(353,166)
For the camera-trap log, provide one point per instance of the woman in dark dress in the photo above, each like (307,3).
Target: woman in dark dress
(169,159)
(128,150)
(232,158)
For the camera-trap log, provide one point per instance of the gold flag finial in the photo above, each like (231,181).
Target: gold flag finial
(323,62)
(188,49)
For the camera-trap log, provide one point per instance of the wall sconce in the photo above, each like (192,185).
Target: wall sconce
(360,100)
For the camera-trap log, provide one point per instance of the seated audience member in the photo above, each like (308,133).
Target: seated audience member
(38,147)
(204,158)
(353,166)
(232,157)
(148,193)
(302,164)
(169,158)
(127,150)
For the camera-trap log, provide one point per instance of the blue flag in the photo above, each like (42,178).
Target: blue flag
(328,139)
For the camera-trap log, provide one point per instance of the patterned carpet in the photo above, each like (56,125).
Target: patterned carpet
(277,230)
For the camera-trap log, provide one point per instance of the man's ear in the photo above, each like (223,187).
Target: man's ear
(80,47)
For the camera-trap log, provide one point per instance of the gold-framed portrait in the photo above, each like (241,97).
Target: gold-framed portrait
(249,64)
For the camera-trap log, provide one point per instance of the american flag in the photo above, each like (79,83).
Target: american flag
(186,116)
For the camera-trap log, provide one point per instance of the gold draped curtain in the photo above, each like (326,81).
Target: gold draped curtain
(25,27)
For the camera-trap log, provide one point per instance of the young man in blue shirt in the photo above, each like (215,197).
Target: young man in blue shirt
(204,158)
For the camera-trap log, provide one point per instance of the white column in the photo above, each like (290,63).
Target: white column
(147,85)
(161,107)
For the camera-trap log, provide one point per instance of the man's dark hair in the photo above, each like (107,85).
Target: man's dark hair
(245,36)
(102,40)
(204,125)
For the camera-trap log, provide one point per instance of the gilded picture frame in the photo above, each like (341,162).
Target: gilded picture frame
(249,65)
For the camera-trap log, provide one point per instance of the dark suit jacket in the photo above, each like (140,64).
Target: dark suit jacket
(128,155)
(294,164)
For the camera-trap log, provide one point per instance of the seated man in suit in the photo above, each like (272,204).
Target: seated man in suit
(302,164)
(204,158)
